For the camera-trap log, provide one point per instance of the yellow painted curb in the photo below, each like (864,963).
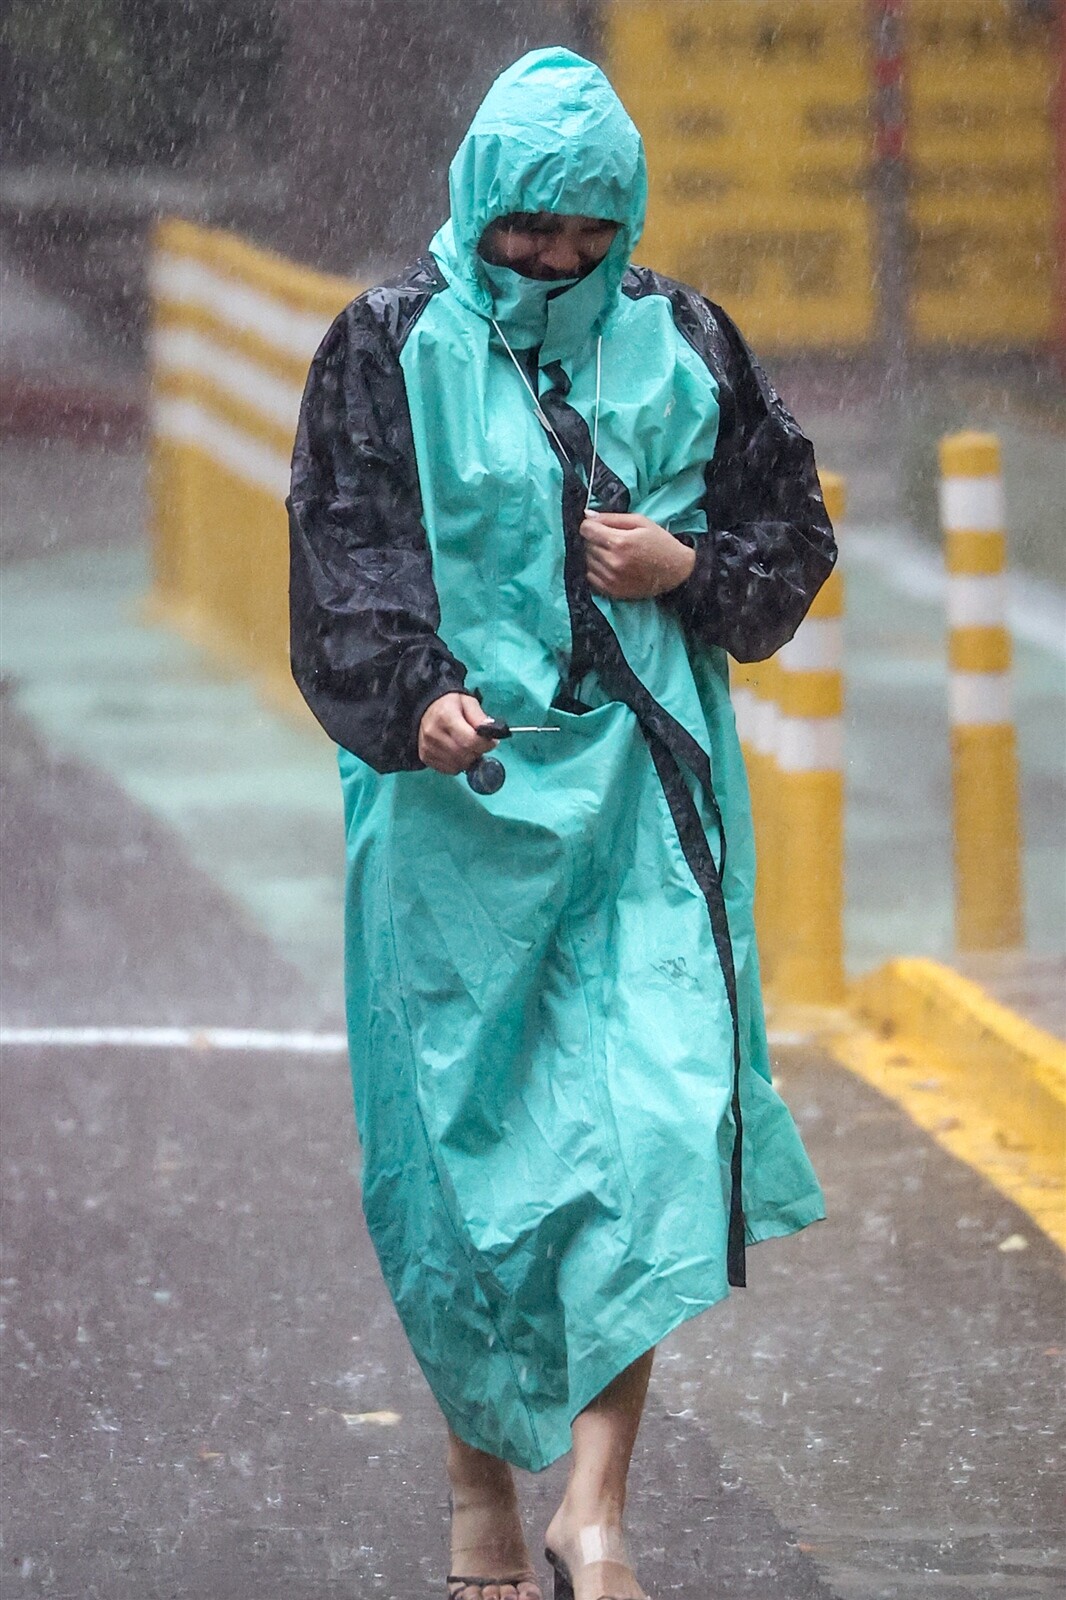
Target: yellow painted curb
(1019,1069)
(988,1085)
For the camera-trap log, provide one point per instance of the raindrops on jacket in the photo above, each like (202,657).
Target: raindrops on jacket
(558,1047)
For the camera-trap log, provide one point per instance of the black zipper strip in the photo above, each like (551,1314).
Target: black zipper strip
(671,746)
(608,490)
(700,858)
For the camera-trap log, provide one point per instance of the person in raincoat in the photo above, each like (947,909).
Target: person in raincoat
(537,484)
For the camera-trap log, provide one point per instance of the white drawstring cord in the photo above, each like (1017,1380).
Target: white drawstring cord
(541,414)
(538,408)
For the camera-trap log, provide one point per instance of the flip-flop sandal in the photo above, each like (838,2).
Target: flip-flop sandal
(564,1583)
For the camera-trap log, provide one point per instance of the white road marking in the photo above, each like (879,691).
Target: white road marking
(244,1039)
(205,1039)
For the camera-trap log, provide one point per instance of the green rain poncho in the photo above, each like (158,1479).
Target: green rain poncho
(558,1048)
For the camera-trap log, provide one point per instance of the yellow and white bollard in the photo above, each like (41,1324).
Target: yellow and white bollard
(984,758)
(808,918)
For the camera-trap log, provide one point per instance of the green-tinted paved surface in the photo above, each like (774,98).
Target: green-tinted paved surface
(256,799)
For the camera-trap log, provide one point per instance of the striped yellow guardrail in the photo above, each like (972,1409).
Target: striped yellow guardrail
(789,714)
(984,753)
(234,330)
(809,930)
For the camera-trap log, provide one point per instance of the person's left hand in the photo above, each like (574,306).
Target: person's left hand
(631,558)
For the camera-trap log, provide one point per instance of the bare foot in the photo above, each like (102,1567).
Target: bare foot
(594,1551)
(487,1537)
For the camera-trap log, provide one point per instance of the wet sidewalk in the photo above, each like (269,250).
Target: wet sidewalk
(207,1393)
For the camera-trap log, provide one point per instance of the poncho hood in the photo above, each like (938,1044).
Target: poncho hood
(550,135)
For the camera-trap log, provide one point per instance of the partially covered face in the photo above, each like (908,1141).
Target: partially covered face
(545,245)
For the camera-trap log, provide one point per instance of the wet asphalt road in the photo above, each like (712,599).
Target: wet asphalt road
(193,1315)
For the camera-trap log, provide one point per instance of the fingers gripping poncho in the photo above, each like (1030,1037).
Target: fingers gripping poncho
(558,1048)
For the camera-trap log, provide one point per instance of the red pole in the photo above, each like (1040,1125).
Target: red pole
(890,110)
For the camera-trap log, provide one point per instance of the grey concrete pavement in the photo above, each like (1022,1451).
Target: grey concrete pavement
(193,1317)
(194,1313)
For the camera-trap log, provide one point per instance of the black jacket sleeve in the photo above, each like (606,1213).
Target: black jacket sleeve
(769,545)
(363,605)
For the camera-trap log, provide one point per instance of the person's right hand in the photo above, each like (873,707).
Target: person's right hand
(448,740)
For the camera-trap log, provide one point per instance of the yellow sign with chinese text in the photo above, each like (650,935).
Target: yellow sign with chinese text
(755,119)
(758,121)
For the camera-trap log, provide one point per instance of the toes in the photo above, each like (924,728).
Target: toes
(528,1589)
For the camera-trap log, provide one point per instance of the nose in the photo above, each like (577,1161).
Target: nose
(560,254)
